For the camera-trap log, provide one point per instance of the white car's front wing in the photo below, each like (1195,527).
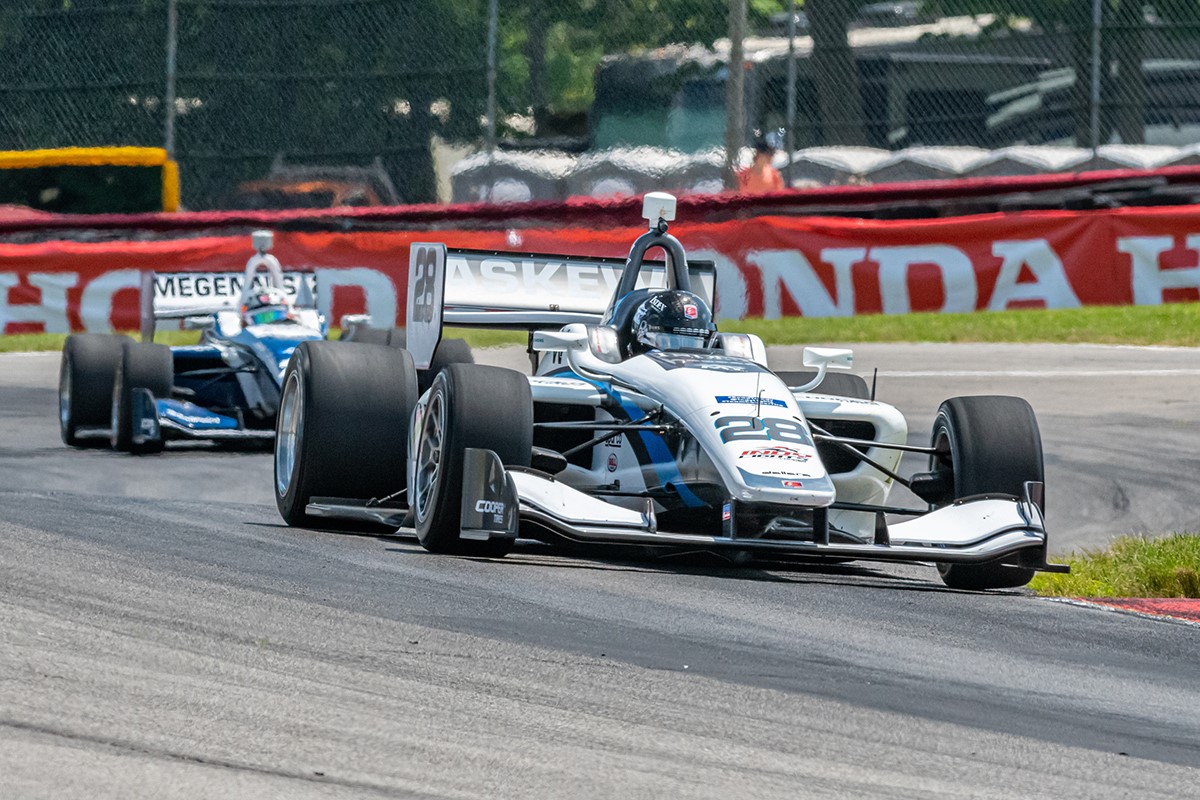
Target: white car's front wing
(972,530)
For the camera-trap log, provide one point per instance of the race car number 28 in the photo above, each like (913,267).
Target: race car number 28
(734,429)
(426,263)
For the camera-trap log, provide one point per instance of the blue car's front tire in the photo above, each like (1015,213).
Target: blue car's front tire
(142,366)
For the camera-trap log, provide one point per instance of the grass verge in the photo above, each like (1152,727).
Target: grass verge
(33,342)
(1132,566)
(1174,324)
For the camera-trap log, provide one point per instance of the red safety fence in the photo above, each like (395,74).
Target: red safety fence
(766,266)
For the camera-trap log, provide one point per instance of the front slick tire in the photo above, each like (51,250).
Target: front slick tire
(469,406)
(342,429)
(992,446)
(143,365)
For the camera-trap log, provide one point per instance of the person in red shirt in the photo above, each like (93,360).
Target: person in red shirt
(760,176)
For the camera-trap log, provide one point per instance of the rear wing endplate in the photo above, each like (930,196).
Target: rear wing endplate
(525,291)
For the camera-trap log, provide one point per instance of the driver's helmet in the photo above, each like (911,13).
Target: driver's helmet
(668,320)
(266,306)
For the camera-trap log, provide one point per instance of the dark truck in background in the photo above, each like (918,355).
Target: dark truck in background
(946,81)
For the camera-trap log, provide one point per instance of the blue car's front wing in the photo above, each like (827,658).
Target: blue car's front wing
(156,419)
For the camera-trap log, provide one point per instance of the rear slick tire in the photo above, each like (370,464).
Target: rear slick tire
(469,405)
(389,337)
(449,351)
(992,446)
(342,429)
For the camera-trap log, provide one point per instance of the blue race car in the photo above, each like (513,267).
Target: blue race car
(137,395)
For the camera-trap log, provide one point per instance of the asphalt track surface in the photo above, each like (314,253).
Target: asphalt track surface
(162,635)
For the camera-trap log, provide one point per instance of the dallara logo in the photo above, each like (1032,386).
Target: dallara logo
(489,507)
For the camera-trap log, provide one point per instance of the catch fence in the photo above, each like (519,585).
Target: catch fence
(271,103)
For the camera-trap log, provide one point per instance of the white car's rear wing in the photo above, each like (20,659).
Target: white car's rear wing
(177,295)
(526,291)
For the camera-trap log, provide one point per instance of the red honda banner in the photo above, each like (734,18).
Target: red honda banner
(766,266)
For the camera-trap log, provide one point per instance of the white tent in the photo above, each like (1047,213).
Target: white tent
(831,166)
(509,177)
(926,163)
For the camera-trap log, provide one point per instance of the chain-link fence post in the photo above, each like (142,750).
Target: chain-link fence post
(490,130)
(1094,107)
(790,107)
(169,91)
(735,104)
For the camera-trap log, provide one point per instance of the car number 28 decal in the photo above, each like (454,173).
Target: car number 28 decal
(775,429)
(425,263)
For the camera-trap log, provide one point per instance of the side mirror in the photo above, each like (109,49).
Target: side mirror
(228,323)
(204,323)
(604,343)
(824,358)
(557,340)
(310,318)
(828,358)
(742,345)
(350,321)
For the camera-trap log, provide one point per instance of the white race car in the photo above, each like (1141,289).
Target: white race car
(641,424)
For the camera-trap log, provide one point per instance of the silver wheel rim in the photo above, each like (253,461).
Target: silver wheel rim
(429,455)
(291,406)
(64,396)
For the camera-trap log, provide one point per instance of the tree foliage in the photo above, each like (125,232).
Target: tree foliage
(571,36)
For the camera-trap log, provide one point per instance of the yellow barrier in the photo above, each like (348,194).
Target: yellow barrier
(170,185)
(101,157)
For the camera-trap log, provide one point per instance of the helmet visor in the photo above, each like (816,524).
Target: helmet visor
(678,341)
(266,316)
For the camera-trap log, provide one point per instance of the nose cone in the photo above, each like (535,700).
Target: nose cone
(769,457)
